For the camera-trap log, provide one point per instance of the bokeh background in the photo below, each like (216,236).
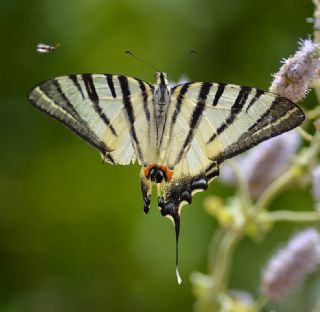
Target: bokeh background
(73,236)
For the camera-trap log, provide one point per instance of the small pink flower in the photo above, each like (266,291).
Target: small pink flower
(291,264)
(297,72)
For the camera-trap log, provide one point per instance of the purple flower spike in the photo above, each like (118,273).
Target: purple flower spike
(291,264)
(297,72)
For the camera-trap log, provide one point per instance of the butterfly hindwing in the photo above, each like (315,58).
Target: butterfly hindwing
(110,112)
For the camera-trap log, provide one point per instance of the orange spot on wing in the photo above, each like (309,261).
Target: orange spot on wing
(168,173)
(147,169)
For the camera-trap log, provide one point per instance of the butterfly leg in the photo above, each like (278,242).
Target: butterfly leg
(146,186)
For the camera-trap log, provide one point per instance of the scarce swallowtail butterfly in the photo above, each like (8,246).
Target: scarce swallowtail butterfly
(179,135)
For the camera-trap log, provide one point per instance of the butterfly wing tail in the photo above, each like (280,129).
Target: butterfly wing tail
(178,193)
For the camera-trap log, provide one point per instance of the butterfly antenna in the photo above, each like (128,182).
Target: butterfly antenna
(142,61)
(181,59)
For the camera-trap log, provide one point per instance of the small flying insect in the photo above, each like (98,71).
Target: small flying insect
(45,48)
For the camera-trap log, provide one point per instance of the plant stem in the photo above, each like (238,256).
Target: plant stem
(294,216)
(314,113)
(213,247)
(274,189)
(224,260)
(304,134)
(304,159)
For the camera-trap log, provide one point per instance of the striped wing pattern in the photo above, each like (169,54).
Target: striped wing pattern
(211,122)
(110,112)
(203,124)
(225,120)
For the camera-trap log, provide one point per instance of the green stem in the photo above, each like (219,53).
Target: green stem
(304,134)
(213,247)
(274,189)
(294,216)
(302,161)
(314,113)
(224,260)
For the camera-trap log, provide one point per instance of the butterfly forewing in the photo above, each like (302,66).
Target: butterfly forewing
(226,119)
(108,111)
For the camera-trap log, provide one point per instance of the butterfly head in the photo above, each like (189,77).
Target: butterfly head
(162,79)
(161,91)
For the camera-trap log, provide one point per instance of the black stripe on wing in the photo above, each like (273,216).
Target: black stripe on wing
(123,80)
(74,79)
(195,117)
(212,171)
(235,110)
(282,116)
(111,85)
(58,106)
(220,90)
(93,96)
(256,97)
(108,158)
(91,90)
(63,101)
(144,93)
(180,97)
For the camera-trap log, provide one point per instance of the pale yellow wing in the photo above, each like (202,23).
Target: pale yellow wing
(110,112)
(210,122)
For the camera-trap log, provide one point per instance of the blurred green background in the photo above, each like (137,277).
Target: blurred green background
(73,236)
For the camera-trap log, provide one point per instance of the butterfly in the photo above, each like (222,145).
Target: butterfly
(180,135)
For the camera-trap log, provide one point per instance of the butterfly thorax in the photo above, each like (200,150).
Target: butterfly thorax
(162,95)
